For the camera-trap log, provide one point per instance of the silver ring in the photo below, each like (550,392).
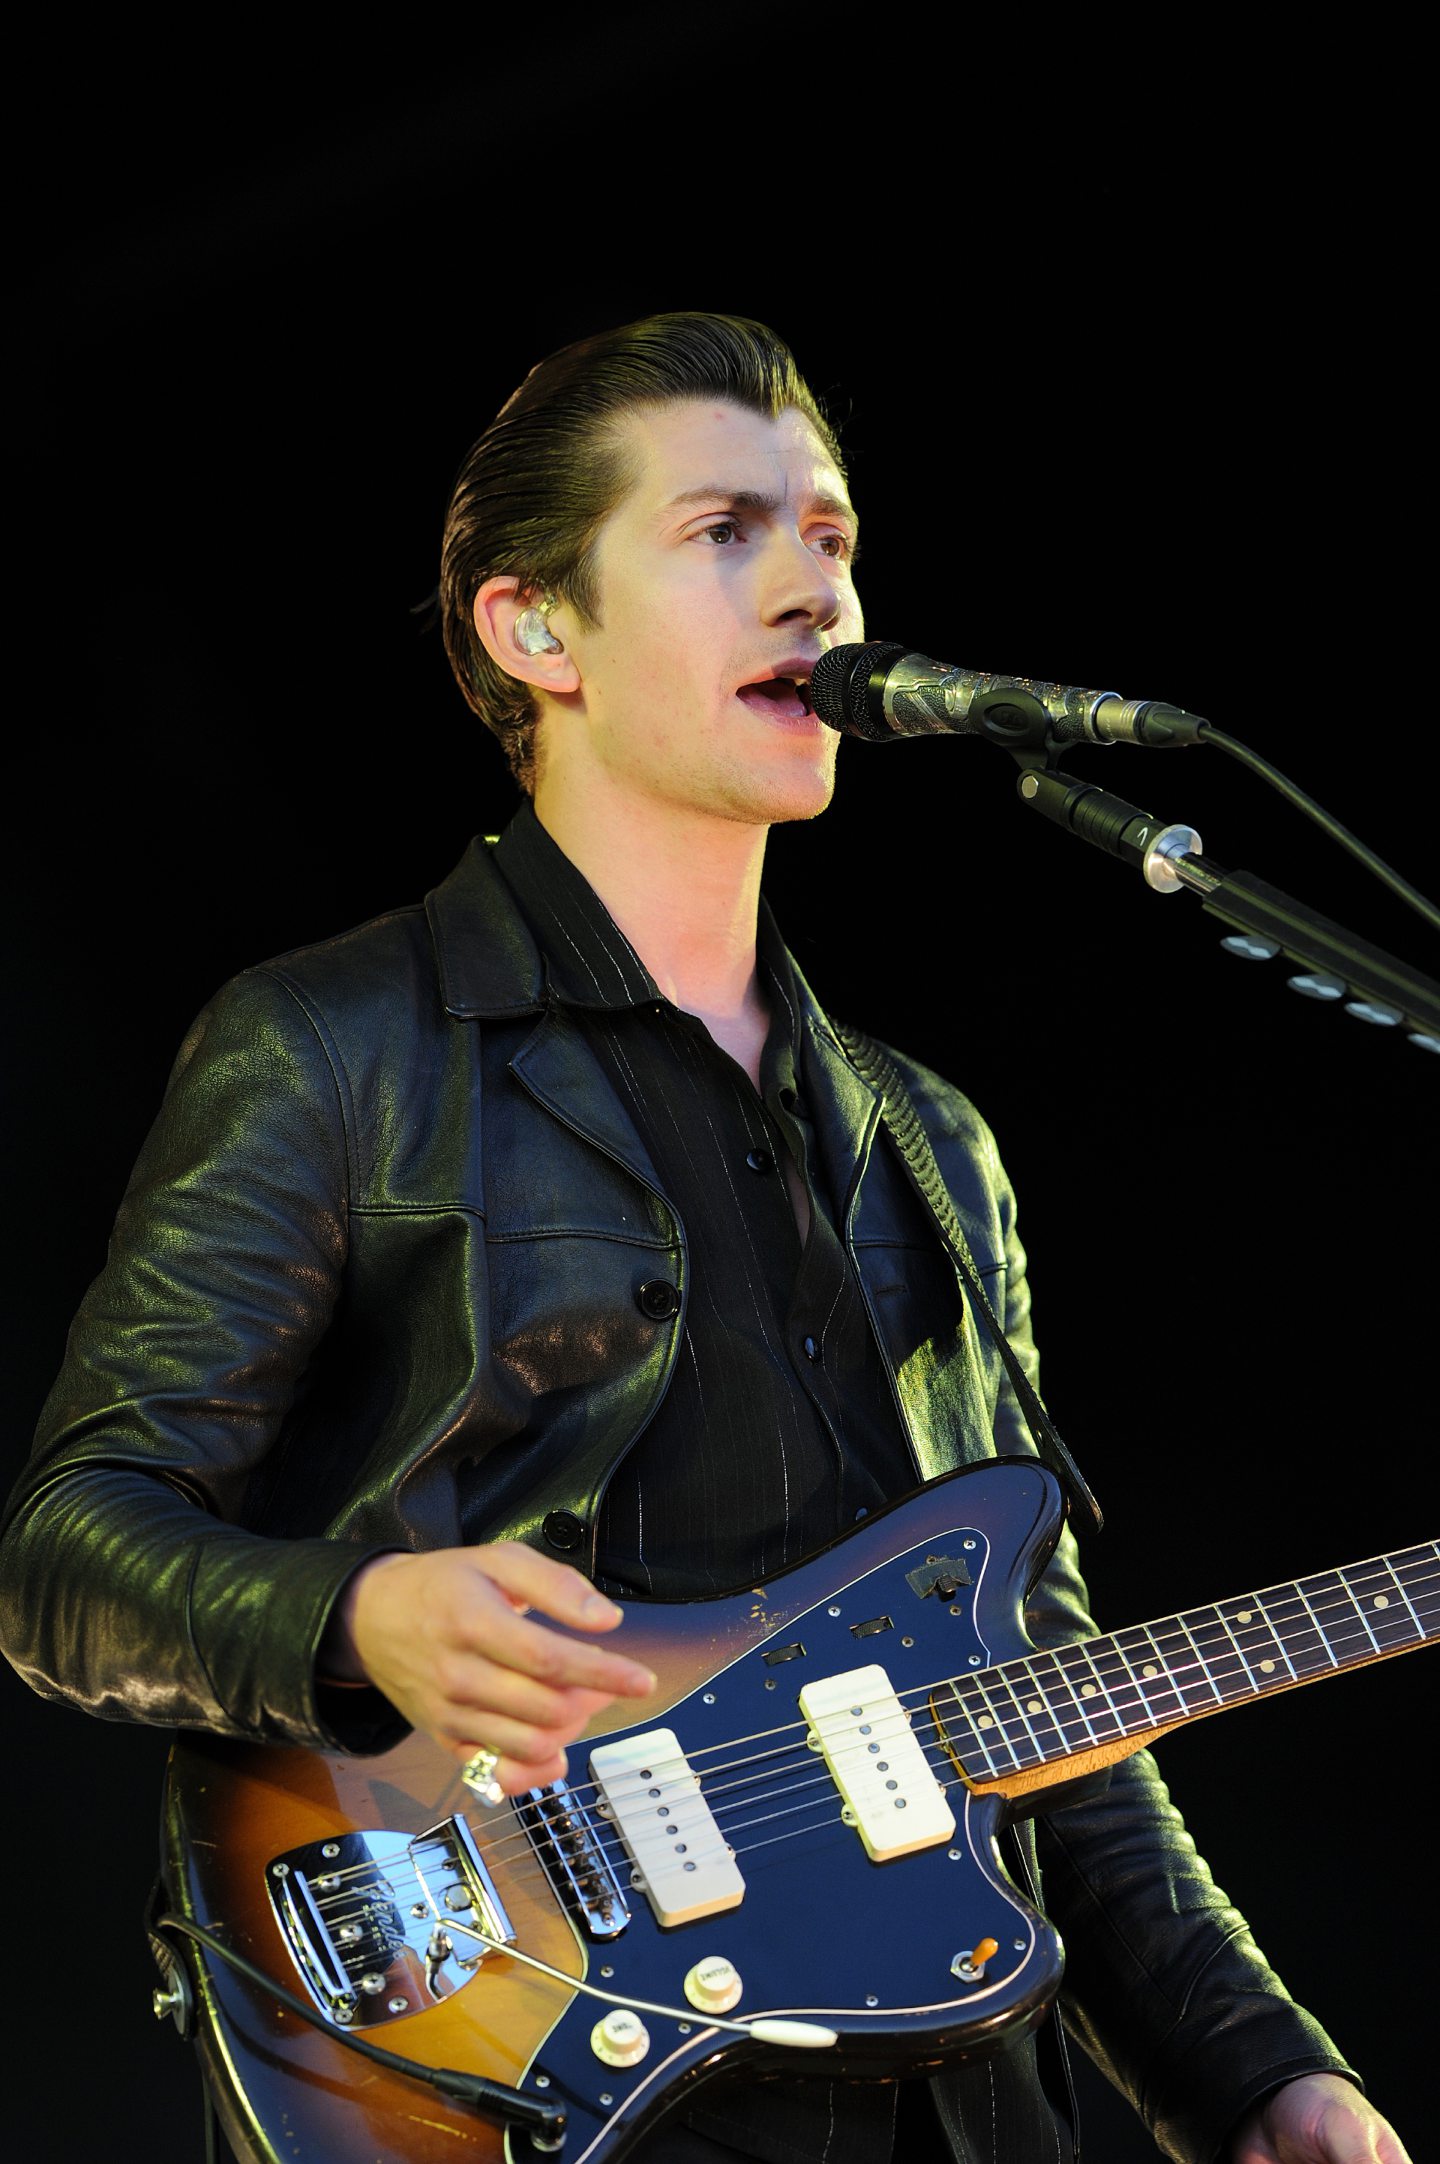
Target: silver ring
(478,1774)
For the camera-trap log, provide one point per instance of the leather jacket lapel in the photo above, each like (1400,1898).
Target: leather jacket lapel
(560,1071)
(845,1112)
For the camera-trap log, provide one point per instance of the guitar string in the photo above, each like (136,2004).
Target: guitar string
(336,1916)
(1201,1673)
(830,1818)
(1104,1658)
(820,1777)
(1087,1649)
(608,1840)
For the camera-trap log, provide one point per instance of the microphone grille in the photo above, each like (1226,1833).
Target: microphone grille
(840,687)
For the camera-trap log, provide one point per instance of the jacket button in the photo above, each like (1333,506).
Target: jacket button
(563,1530)
(658,1299)
(812,1350)
(760,1161)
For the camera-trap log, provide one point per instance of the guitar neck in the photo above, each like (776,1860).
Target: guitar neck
(1051,1716)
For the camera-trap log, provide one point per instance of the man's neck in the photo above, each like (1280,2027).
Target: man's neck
(685,891)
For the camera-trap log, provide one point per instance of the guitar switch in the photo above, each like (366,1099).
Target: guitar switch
(713,1985)
(970,1966)
(621,2039)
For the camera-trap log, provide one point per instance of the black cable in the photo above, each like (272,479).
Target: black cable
(492,2098)
(1326,822)
(212,2126)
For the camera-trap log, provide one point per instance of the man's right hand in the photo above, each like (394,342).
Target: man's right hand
(446,1637)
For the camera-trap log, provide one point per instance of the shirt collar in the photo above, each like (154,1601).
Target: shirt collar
(590,963)
(588,960)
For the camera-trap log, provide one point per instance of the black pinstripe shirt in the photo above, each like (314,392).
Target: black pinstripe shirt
(780,1426)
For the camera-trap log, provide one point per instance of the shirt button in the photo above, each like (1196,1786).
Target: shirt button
(563,1530)
(812,1349)
(658,1299)
(862,1512)
(760,1161)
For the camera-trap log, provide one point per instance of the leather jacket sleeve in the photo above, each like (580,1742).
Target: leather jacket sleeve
(130,1586)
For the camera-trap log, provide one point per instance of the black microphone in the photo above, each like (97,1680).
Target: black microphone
(882,691)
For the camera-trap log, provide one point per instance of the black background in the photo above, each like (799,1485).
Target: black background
(1130,398)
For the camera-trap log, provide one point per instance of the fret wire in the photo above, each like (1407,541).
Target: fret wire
(975,1728)
(1239,1649)
(1162,1676)
(1076,1698)
(1050,1656)
(1127,1701)
(1339,1574)
(1179,1668)
(1037,1746)
(1399,1584)
(1204,1665)
(1320,1631)
(1099,1648)
(979,1682)
(1081,1697)
(1262,1638)
(1085,1698)
(1277,1639)
(1280,1626)
(1039,1704)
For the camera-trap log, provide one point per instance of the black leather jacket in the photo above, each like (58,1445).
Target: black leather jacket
(374,1284)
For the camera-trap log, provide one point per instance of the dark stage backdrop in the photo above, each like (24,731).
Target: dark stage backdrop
(1139,422)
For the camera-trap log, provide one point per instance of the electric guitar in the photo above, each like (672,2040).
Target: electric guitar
(786,1860)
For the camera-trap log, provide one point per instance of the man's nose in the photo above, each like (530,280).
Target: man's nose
(797,583)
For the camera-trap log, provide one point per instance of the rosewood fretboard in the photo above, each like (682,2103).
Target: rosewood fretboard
(1105,1695)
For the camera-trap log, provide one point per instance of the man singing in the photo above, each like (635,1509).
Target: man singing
(544,1244)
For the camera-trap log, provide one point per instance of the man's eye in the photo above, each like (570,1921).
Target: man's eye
(844,548)
(729,527)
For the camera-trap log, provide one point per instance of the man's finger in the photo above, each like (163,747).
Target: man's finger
(475,1684)
(501,1633)
(536,1580)
(553,1658)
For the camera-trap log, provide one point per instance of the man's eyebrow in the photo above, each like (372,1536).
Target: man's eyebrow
(758,503)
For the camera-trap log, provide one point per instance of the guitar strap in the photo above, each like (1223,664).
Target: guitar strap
(902,1123)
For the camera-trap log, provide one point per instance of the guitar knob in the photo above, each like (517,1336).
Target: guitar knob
(713,1985)
(621,2039)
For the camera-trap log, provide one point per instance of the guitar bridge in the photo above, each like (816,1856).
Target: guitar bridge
(364,1918)
(573,1858)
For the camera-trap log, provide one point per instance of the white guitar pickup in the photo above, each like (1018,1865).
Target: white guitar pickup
(892,1798)
(654,1799)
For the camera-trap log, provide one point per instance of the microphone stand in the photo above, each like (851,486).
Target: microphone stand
(1334,964)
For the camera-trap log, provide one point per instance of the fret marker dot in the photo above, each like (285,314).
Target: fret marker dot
(1089,1690)
(1382,1600)
(987,1720)
(1245,1615)
(1032,1705)
(1267,1668)
(1151,1673)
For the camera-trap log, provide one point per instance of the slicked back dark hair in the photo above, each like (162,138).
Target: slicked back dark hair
(533,493)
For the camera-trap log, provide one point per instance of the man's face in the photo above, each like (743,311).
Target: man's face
(726,566)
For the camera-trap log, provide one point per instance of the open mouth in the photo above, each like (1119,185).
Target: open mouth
(778,698)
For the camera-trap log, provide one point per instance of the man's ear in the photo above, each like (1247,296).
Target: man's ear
(508,618)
